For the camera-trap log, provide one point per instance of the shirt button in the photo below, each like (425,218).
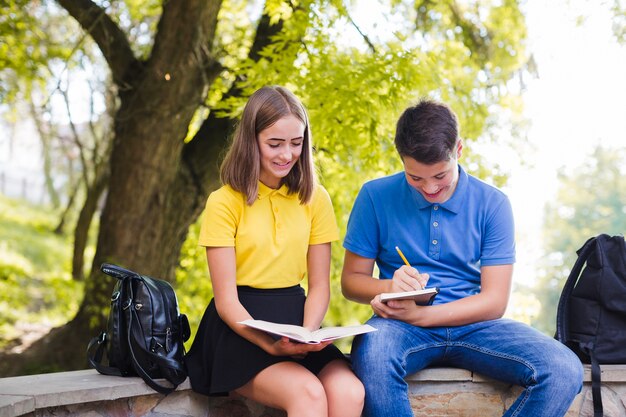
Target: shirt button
(436,208)
(434,241)
(435,224)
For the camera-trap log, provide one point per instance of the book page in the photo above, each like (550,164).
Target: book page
(301,334)
(332,333)
(291,331)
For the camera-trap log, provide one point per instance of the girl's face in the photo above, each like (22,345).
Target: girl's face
(435,182)
(280,146)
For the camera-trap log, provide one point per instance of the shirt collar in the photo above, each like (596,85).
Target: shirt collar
(453,204)
(265,191)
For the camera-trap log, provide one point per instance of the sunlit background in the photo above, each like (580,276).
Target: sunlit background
(574,99)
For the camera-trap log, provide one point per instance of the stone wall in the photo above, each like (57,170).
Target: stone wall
(438,392)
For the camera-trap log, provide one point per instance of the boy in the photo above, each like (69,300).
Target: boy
(457,233)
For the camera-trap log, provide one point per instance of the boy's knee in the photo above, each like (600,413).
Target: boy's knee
(574,372)
(565,374)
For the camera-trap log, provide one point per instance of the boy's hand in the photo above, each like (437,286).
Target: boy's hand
(407,278)
(403,310)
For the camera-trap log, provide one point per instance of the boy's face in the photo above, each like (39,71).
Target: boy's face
(436,182)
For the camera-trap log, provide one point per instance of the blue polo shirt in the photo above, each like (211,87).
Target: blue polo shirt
(449,241)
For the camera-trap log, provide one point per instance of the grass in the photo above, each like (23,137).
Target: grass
(37,291)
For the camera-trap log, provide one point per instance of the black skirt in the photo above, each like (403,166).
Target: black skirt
(220,360)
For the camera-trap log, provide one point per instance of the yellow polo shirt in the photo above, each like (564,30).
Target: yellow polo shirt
(271,237)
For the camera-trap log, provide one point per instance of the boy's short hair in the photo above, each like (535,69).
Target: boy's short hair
(427,132)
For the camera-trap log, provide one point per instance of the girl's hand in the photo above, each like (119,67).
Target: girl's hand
(286,347)
(407,278)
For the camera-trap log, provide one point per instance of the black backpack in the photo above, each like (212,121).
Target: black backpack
(591,317)
(145,331)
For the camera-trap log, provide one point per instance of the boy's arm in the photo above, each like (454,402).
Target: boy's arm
(489,304)
(358,284)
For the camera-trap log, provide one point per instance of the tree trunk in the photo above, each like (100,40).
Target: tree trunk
(158,184)
(59,229)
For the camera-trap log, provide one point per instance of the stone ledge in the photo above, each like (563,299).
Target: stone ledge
(432,390)
(610,373)
(14,405)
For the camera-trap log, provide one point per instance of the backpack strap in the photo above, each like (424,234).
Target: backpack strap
(116,271)
(596,384)
(562,314)
(95,351)
(161,361)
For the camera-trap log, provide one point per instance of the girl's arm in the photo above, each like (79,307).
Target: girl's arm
(318,296)
(222,267)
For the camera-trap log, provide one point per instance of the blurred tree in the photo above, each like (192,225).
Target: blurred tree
(44,56)
(183,70)
(590,200)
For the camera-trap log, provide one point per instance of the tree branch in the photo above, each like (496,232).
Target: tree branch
(212,137)
(111,40)
(173,40)
(366,39)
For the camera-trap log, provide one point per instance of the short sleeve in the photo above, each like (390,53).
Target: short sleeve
(323,222)
(498,246)
(362,234)
(221,218)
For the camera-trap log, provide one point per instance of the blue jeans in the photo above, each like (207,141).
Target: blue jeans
(502,349)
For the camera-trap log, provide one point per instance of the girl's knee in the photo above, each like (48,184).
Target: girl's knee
(346,398)
(310,401)
(355,392)
(343,389)
(313,391)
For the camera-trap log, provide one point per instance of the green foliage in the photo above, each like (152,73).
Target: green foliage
(461,53)
(619,20)
(36,287)
(193,285)
(591,200)
(33,37)
(354,94)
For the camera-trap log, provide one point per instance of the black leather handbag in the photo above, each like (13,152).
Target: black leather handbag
(145,331)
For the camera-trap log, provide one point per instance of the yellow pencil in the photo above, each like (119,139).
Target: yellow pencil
(402,256)
(407,264)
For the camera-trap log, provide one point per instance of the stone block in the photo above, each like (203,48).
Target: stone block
(15,405)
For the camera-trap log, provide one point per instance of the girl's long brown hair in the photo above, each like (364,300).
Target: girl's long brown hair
(241,166)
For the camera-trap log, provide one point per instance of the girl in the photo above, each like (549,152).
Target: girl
(264,230)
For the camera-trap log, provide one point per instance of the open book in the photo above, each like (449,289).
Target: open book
(301,334)
(422,297)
